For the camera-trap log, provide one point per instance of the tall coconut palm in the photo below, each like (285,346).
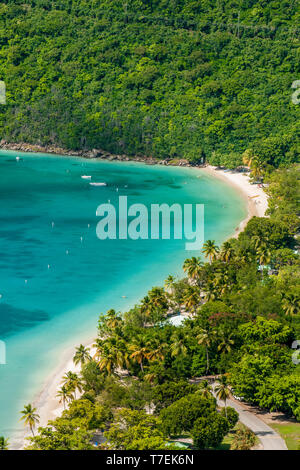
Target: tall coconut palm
(210,291)
(192,266)
(72,381)
(82,355)
(221,281)
(3,443)
(263,255)
(205,389)
(108,361)
(222,391)
(157,351)
(150,377)
(169,284)
(112,319)
(64,394)
(206,339)
(211,250)
(146,306)
(257,242)
(178,344)
(191,299)
(122,353)
(30,417)
(226,252)
(225,343)
(254,162)
(140,350)
(158,298)
(291,304)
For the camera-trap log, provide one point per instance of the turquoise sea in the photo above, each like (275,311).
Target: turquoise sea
(56,276)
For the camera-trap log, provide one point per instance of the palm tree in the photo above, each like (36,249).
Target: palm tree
(158,298)
(206,338)
(210,249)
(256,242)
(112,319)
(3,443)
(72,381)
(223,391)
(226,343)
(291,304)
(178,346)
(263,255)
(226,252)
(205,389)
(30,417)
(254,162)
(191,299)
(122,354)
(146,306)
(64,394)
(82,355)
(169,284)
(140,350)
(210,291)
(150,377)
(158,351)
(111,353)
(108,361)
(192,266)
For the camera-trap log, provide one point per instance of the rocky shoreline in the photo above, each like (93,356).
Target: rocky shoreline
(91,154)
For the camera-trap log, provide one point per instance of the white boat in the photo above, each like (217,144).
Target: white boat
(98,184)
(86,177)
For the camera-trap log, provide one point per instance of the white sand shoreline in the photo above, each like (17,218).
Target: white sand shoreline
(257,199)
(46,402)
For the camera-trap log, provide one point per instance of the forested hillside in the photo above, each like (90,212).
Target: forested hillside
(164,78)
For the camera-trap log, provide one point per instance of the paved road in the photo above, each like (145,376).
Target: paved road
(269,438)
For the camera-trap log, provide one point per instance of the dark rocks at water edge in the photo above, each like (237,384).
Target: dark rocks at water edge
(94,153)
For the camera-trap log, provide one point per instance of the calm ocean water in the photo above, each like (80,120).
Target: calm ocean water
(56,276)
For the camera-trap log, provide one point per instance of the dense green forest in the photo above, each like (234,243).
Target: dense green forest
(204,79)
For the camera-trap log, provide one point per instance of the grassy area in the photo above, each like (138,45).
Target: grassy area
(290,433)
(227,441)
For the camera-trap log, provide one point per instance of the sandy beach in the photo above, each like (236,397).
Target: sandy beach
(47,404)
(257,199)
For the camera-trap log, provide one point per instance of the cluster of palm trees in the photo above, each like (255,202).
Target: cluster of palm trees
(221,390)
(116,353)
(210,284)
(71,382)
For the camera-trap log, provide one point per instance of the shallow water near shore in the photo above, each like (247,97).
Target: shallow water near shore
(56,276)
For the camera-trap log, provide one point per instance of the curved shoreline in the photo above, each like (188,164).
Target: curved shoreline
(256,198)
(46,402)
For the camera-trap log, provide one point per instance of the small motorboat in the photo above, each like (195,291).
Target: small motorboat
(98,184)
(86,177)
